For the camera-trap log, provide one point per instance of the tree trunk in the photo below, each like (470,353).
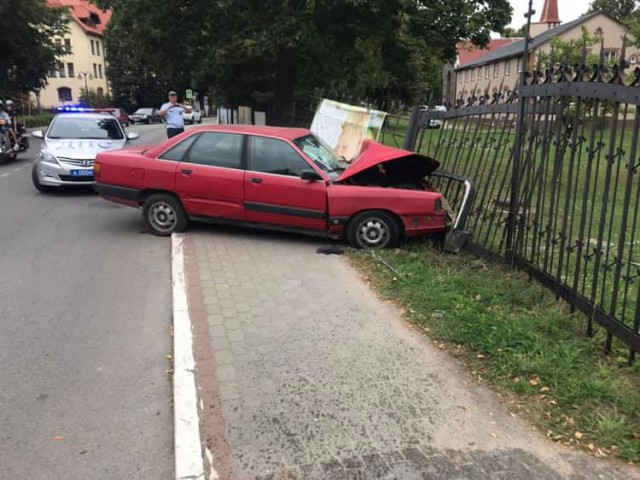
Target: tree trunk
(286,76)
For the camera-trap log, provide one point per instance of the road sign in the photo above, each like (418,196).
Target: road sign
(189,94)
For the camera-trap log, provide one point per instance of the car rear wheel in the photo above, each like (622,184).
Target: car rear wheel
(373,230)
(163,214)
(36,181)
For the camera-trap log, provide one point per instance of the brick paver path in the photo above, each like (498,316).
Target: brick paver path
(304,373)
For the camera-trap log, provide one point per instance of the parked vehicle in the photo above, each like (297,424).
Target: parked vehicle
(279,178)
(70,145)
(435,122)
(119,113)
(195,116)
(146,115)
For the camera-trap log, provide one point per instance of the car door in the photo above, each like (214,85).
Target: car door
(274,191)
(210,177)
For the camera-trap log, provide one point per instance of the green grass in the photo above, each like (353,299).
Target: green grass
(513,334)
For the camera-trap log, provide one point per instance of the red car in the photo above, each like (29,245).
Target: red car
(119,113)
(278,178)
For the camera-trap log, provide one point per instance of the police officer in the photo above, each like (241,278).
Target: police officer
(173,112)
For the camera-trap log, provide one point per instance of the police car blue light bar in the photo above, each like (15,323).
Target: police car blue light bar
(74,108)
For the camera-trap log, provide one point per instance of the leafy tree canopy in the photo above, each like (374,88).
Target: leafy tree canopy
(270,53)
(27,48)
(621,10)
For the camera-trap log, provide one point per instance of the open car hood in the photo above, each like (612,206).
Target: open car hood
(395,162)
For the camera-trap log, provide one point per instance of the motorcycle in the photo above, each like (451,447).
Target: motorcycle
(7,153)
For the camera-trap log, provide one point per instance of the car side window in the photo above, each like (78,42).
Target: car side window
(269,155)
(217,150)
(176,153)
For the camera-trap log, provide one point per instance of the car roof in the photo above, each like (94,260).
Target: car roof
(84,115)
(285,133)
(279,132)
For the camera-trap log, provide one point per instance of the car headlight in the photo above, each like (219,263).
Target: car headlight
(45,155)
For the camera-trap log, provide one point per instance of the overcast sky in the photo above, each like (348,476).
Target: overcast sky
(567,9)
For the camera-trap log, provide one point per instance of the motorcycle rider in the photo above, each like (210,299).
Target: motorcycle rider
(6,114)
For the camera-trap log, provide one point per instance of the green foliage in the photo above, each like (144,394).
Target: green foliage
(517,336)
(270,53)
(95,100)
(33,121)
(28,51)
(621,10)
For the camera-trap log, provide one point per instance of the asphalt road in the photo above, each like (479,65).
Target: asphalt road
(85,316)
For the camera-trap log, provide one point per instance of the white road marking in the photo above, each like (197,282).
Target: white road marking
(188,445)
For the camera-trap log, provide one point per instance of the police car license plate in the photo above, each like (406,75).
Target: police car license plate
(82,173)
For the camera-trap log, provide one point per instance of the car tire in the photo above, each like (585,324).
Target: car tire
(36,181)
(372,230)
(164,214)
(148,121)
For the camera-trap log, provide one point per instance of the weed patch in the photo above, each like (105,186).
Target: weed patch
(515,335)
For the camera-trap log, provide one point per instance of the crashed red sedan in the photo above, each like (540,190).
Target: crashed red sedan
(278,178)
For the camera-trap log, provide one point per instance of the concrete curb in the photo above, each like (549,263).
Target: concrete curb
(187,442)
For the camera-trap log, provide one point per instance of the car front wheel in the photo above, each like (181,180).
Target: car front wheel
(36,181)
(373,230)
(163,214)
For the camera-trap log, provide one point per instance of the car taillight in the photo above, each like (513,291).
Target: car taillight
(97,168)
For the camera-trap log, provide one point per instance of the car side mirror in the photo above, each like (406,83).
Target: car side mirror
(38,134)
(132,135)
(310,174)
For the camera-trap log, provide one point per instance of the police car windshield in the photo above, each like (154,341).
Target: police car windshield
(85,128)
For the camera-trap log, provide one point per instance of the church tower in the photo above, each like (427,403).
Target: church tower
(549,18)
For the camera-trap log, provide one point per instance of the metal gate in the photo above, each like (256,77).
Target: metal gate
(556,164)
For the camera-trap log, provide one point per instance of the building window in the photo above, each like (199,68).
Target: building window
(486,71)
(64,94)
(496,68)
(100,70)
(519,65)
(61,70)
(473,74)
(459,77)
(97,48)
(93,48)
(71,70)
(58,42)
(466,76)
(53,73)
(507,68)
(95,70)
(100,91)
(67,45)
(610,55)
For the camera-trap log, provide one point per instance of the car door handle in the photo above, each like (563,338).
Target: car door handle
(255,180)
(186,171)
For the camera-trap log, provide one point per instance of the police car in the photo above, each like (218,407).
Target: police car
(70,145)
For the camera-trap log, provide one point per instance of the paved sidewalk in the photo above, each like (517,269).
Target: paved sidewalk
(305,374)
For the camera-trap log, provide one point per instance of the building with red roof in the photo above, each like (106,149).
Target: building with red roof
(83,66)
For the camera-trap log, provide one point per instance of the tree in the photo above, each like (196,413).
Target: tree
(27,48)
(513,33)
(268,54)
(621,10)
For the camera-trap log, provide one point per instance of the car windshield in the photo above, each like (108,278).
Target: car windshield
(143,111)
(85,128)
(321,154)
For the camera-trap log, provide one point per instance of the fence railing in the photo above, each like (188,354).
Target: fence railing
(556,167)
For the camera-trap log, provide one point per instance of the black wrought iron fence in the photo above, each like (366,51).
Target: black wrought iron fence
(555,163)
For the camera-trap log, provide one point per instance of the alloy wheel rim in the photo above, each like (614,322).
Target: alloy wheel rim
(373,233)
(163,217)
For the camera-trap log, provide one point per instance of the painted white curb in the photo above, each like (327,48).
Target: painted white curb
(187,442)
